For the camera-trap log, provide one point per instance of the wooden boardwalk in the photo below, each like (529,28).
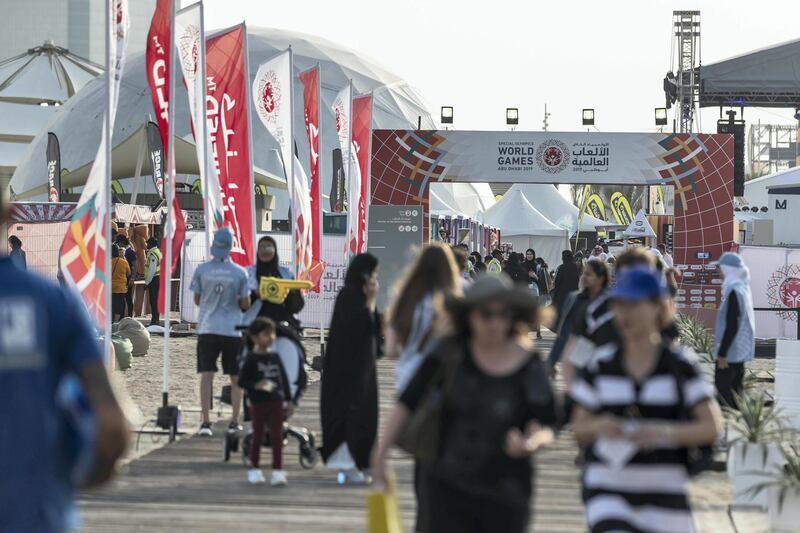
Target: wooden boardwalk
(186,486)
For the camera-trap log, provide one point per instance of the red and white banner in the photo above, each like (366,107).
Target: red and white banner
(310,81)
(157,66)
(362,135)
(192,52)
(343,113)
(311,89)
(83,256)
(226,75)
(272,98)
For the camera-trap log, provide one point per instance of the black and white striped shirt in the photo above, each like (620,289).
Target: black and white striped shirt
(647,492)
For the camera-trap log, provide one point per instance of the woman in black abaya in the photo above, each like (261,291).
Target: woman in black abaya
(349,396)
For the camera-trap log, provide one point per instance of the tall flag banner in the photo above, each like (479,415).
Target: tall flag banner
(192,51)
(596,207)
(158,68)
(362,134)
(311,90)
(83,255)
(336,197)
(343,113)
(53,167)
(226,97)
(621,208)
(156,150)
(301,211)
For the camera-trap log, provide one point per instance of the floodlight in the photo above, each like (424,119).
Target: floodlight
(447,114)
(588,117)
(512,116)
(661,116)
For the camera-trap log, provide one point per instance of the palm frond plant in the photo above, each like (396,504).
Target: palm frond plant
(695,335)
(755,421)
(786,480)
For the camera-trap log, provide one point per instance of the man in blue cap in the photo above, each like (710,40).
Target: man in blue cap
(220,290)
(734,335)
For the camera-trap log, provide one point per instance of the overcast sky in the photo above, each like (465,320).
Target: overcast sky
(481,57)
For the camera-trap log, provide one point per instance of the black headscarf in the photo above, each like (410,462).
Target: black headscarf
(268,269)
(361,268)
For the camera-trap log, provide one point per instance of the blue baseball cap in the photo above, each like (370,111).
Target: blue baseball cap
(639,283)
(223,242)
(730,259)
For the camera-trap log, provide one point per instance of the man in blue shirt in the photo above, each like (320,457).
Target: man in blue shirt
(46,339)
(220,290)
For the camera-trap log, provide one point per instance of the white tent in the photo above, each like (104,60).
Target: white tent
(755,191)
(467,199)
(440,207)
(524,227)
(546,199)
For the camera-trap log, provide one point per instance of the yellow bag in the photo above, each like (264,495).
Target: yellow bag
(383,515)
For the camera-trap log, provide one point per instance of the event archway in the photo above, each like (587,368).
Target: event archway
(698,166)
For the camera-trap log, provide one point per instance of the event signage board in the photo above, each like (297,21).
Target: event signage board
(395,231)
(699,168)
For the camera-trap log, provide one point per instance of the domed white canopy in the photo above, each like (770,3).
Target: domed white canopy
(557,209)
(33,86)
(78,126)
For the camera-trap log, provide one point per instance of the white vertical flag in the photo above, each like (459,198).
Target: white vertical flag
(191,48)
(343,113)
(272,97)
(301,212)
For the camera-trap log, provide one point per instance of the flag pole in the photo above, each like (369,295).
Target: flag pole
(107,192)
(290,170)
(321,218)
(368,177)
(170,184)
(350,158)
(249,106)
(210,227)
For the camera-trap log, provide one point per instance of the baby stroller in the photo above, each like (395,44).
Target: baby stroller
(293,356)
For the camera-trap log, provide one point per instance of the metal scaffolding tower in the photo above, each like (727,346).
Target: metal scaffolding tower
(771,148)
(686,25)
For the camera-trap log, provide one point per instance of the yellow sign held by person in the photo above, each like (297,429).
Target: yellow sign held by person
(275,290)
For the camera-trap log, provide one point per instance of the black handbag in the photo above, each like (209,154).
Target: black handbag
(421,434)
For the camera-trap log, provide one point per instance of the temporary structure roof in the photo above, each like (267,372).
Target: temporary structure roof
(769,77)
(639,227)
(33,86)
(546,199)
(78,125)
(467,198)
(756,190)
(514,215)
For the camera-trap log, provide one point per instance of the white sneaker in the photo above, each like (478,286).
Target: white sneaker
(255,477)
(278,478)
(205,430)
(353,477)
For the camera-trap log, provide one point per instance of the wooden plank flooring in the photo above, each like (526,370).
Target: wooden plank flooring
(186,487)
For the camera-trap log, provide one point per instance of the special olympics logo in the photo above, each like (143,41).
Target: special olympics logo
(552,156)
(341,116)
(188,46)
(783,290)
(269,96)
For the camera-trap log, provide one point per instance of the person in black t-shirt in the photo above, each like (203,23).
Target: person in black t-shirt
(498,411)
(264,379)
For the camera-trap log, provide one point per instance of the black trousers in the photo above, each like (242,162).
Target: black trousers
(152,296)
(729,380)
(451,510)
(129,302)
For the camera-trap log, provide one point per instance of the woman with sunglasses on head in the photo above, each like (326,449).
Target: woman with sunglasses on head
(639,406)
(497,411)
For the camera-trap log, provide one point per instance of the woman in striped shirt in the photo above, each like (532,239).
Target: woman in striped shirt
(639,406)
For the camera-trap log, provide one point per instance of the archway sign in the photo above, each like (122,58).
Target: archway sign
(698,166)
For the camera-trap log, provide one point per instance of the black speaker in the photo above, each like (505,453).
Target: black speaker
(735,128)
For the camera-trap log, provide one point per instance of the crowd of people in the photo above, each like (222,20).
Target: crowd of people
(475,399)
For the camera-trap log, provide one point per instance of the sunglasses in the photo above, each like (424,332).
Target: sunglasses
(488,313)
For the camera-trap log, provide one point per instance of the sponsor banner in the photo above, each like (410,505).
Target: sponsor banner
(775,283)
(226,97)
(158,69)
(156,150)
(83,251)
(621,208)
(336,197)
(311,83)
(362,133)
(53,167)
(596,207)
(191,52)
(343,113)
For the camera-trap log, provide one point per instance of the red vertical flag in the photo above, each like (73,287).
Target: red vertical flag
(228,123)
(159,70)
(310,81)
(362,134)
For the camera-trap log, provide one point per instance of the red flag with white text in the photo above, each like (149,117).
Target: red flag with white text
(310,81)
(228,123)
(362,133)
